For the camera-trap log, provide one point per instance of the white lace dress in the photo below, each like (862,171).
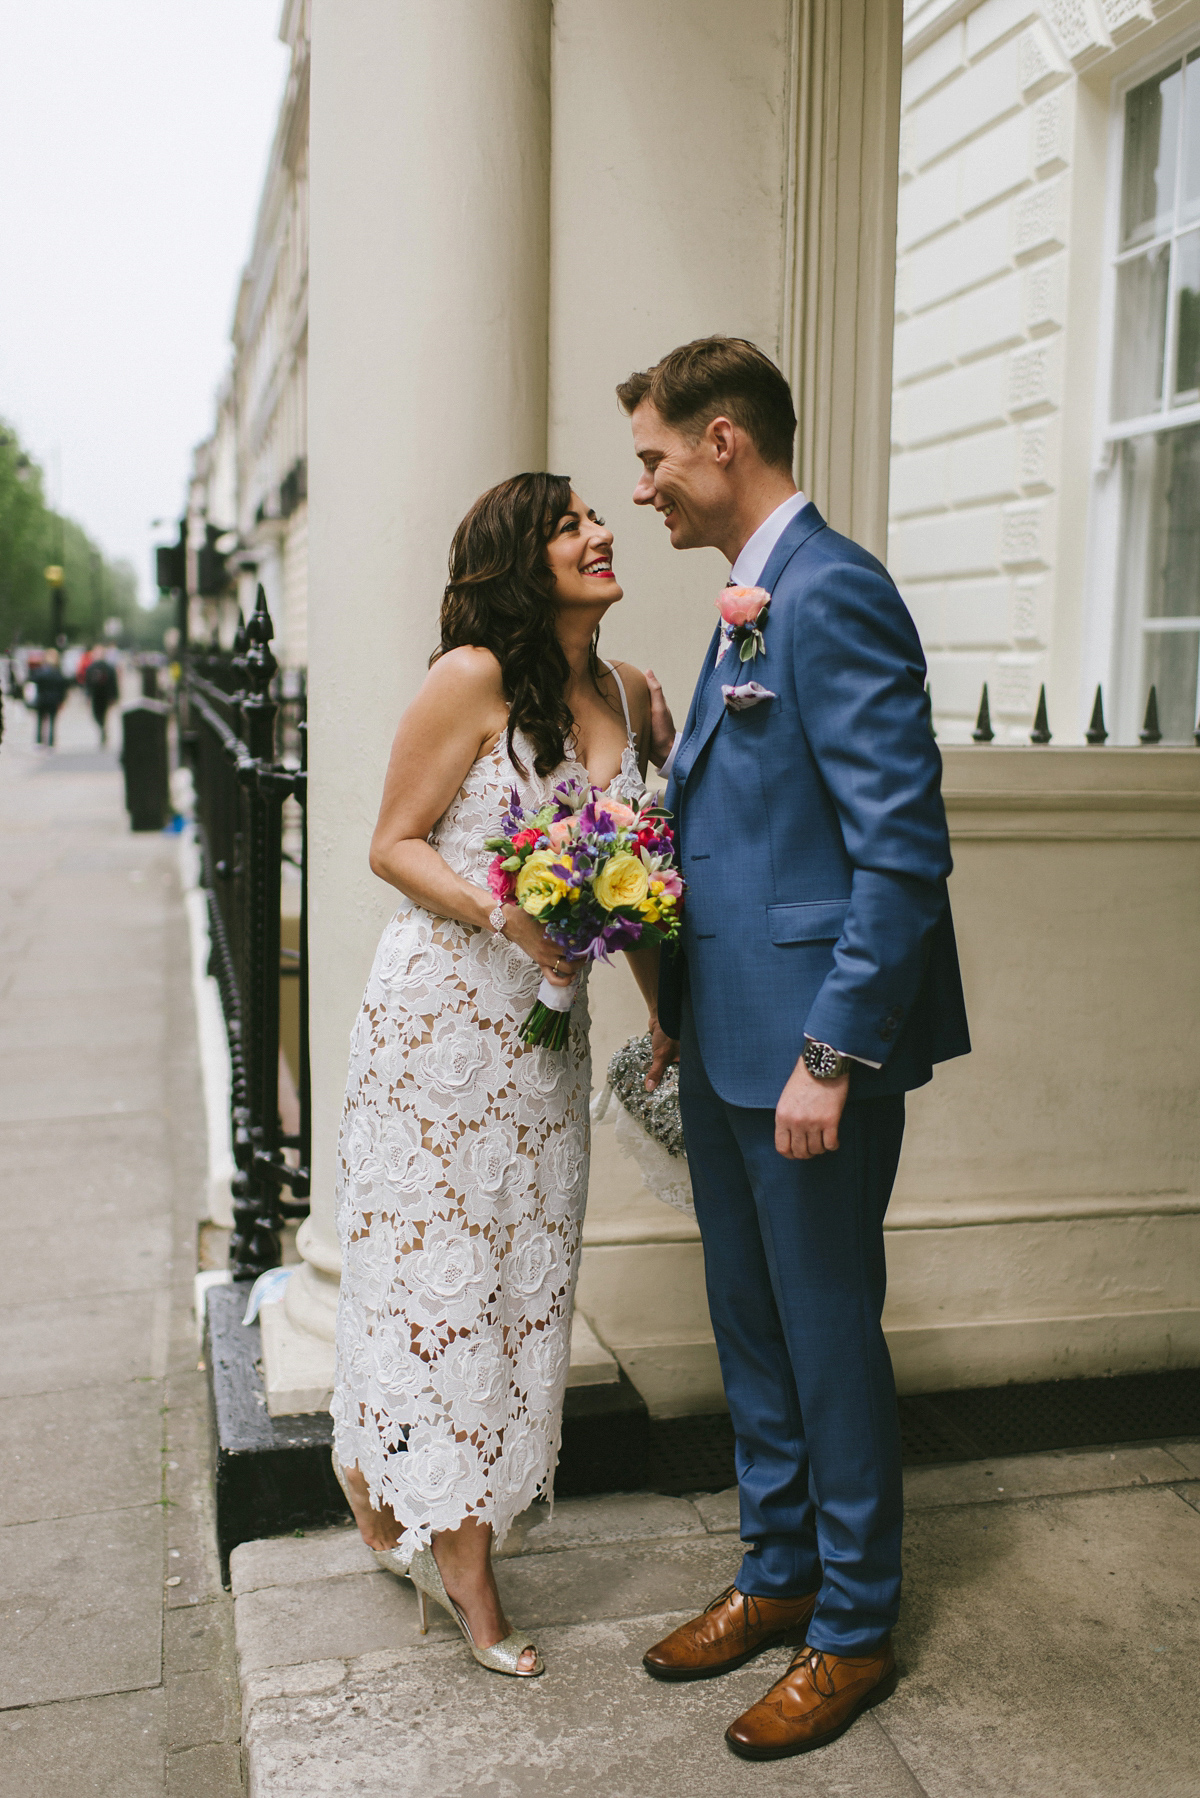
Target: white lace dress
(463,1179)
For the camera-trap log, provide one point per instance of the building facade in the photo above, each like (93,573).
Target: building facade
(513,206)
(248,498)
(1045,476)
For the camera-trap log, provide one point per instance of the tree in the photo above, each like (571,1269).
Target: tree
(32,537)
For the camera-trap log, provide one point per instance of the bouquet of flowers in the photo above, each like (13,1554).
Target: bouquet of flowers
(599,874)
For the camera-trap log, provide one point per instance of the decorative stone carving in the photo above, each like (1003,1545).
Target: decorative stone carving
(1033,376)
(1031,455)
(1125,18)
(1079,29)
(1038,217)
(1039,62)
(1021,533)
(1045,292)
(1048,133)
(1013,688)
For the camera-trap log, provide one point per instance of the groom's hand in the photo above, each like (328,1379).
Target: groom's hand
(663,1051)
(808,1114)
(662,725)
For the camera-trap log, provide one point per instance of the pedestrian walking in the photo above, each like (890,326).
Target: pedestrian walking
(99,680)
(50,689)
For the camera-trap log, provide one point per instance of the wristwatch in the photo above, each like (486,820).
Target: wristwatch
(497,919)
(824,1062)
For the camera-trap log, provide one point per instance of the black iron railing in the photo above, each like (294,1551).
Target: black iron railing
(248,759)
(1096,733)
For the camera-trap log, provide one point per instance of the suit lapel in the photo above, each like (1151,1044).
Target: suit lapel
(708,705)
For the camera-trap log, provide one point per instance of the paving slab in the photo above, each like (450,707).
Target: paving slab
(1030,1476)
(1187,1454)
(57,1345)
(211,1771)
(81,1604)
(614,1517)
(89,1748)
(434,1725)
(357,1613)
(115,1433)
(720,1512)
(1051,1647)
(293,1560)
(349,1614)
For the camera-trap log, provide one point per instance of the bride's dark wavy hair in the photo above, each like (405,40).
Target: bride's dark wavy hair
(500,596)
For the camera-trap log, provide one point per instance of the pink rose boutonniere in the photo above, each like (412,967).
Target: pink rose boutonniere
(743,613)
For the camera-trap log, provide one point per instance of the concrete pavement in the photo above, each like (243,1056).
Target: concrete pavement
(116,1671)
(1048,1646)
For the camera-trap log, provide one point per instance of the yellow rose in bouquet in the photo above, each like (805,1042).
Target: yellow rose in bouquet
(622,880)
(538,886)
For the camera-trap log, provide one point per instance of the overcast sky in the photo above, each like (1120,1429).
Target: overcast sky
(134,136)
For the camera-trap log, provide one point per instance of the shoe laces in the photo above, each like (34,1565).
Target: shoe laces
(819,1671)
(751,1613)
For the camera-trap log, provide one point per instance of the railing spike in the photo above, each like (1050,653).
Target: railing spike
(983,732)
(1150,732)
(1041,723)
(1096,732)
(241,639)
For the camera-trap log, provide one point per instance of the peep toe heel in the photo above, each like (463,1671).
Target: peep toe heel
(422,1570)
(503,1656)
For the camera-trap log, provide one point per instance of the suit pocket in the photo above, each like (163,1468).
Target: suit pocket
(816,921)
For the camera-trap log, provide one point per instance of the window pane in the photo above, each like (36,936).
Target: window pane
(1151,140)
(1187,318)
(1141,334)
(1160,527)
(1170,669)
(1189,199)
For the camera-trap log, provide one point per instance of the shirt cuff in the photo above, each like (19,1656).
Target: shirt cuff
(665,770)
(862,1060)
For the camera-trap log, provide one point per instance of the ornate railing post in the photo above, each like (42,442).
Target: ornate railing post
(241,789)
(254,1246)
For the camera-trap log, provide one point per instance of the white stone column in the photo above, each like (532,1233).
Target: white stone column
(427,383)
(840,216)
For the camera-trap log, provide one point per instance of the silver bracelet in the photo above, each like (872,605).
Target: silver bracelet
(497,919)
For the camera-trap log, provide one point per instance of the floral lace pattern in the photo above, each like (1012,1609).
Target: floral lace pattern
(463,1179)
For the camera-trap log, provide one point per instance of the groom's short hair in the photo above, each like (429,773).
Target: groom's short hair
(718,377)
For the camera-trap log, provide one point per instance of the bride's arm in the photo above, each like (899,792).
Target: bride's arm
(458,713)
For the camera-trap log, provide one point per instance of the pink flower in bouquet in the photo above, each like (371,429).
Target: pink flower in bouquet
(500,881)
(742,605)
(560,832)
(621,816)
(669,881)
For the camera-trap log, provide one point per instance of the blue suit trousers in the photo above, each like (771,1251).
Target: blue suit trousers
(795,1271)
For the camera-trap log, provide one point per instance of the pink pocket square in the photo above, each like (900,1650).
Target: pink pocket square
(740,699)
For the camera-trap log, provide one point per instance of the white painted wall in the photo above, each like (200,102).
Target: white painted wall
(999,277)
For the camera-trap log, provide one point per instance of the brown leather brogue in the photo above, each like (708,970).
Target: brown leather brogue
(728,1633)
(818,1697)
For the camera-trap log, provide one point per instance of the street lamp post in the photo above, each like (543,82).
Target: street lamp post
(58,605)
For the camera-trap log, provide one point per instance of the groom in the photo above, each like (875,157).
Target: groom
(818,983)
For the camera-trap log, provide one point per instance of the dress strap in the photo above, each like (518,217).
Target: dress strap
(612,669)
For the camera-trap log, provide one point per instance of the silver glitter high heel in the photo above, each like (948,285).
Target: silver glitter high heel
(501,1657)
(422,1570)
(390,1559)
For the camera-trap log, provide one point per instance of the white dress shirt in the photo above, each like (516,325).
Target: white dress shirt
(752,558)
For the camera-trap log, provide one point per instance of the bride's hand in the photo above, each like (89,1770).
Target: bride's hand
(662,725)
(530,936)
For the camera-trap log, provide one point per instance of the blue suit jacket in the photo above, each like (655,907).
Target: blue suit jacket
(812,837)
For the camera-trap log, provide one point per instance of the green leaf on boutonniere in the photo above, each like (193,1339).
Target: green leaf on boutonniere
(749,650)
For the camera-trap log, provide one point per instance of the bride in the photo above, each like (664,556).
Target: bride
(463,1153)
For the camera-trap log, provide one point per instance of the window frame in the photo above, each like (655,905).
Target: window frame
(1115,636)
